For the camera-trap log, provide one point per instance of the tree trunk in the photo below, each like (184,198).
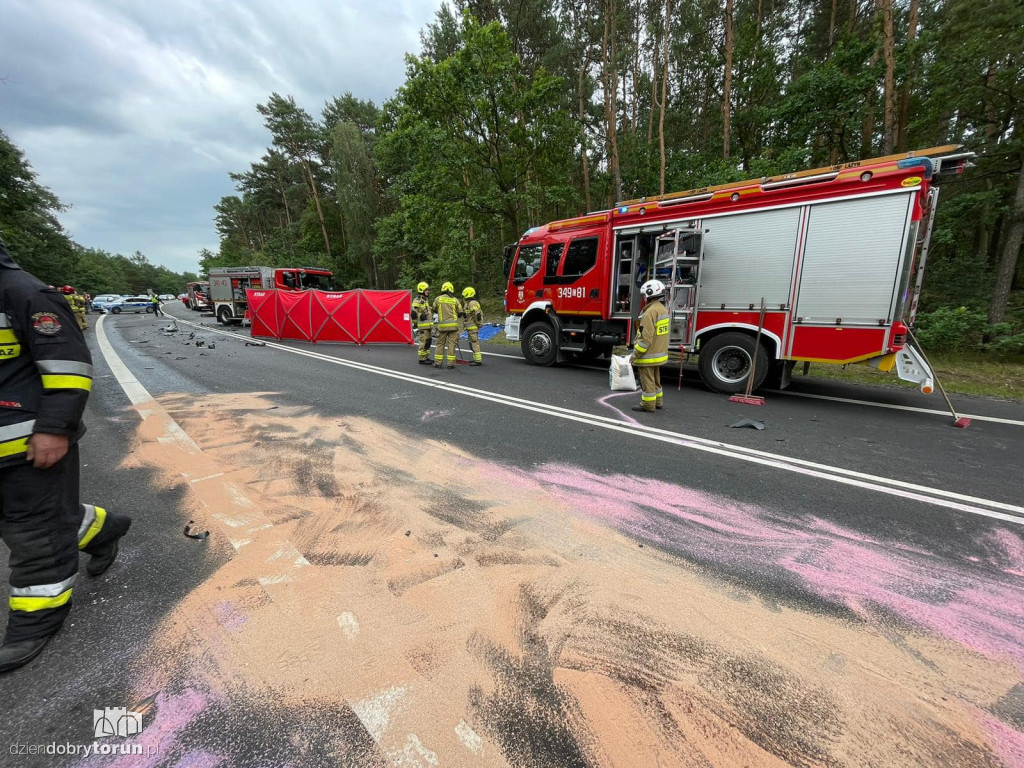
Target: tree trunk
(655,67)
(1008,259)
(889,96)
(727,89)
(832,27)
(284,200)
(902,139)
(611,88)
(867,132)
(316,200)
(664,101)
(583,136)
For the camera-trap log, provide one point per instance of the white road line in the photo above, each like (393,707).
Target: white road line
(973,416)
(138,394)
(949,499)
(131,386)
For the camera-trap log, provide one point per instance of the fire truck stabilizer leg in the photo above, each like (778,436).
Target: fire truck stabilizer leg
(960,422)
(912,366)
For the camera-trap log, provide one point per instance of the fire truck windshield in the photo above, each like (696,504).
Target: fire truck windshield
(317,282)
(528,263)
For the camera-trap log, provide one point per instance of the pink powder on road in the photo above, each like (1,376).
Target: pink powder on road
(972,605)
(604,401)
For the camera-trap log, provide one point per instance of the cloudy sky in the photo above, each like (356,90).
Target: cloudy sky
(133,111)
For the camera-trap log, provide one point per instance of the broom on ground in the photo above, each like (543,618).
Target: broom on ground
(747,398)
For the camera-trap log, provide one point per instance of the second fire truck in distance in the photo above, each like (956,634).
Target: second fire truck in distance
(837,255)
(228,286)
(197,295)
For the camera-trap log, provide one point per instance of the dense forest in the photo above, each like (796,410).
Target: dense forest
(518,112)
(31,228)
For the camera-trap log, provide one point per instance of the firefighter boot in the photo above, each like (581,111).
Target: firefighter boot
(14,655)
(103,557)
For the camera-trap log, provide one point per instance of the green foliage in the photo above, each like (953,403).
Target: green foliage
(962,329)
(28,219)
(502,123)
(474,155)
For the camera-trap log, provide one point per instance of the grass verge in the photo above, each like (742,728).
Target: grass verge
(959,374)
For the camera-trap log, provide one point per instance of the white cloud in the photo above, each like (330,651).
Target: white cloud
(133,113)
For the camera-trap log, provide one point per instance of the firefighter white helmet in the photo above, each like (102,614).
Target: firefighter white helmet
(652,289)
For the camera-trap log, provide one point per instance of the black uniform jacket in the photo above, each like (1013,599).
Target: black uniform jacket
(45,365)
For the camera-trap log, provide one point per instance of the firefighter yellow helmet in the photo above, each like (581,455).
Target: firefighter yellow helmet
(469,293)
(447,288)
(422,287)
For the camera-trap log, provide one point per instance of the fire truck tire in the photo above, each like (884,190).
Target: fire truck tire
(224,315)
(725,362)
(540,346)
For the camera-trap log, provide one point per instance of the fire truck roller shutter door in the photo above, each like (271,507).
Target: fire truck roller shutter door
(747,256)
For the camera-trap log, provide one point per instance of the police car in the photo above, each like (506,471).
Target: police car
(102,302)
(130,304)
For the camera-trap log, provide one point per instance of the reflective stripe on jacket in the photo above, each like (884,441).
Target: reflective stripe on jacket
(651,346)
(474,315)
(448,310)
(45,365)
(422,315)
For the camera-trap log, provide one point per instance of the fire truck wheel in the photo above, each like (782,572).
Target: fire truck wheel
(224,315)
(725,362)
(539,345)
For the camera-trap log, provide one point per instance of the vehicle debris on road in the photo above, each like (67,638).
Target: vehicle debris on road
(189,534)
(747,423)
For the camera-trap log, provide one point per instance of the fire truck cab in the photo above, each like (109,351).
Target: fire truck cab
(835,255)
(228,286)
(198,295)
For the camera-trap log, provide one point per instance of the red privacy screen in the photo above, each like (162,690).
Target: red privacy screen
(356,317)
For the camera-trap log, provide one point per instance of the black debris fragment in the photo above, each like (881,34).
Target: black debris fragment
(747,423)
(211,345)
(190,535)
(255,344)
(200,343)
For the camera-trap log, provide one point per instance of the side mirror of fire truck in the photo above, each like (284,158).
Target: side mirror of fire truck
(506,264)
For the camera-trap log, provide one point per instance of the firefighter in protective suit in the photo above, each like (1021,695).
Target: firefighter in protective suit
(77,303)
(474,319)
(650,350)
(423,318)
(449,311)
(45,379)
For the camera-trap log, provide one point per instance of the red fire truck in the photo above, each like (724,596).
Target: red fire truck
(228,286)
(837,255)
(197,296)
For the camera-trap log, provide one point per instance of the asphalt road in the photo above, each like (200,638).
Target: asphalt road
(884,523)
